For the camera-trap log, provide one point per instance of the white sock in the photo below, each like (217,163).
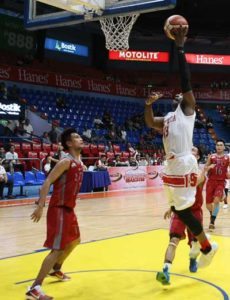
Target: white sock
(168,266)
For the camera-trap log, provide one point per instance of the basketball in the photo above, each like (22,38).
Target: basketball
(173,22)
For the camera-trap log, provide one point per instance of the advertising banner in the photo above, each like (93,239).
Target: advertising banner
(135,177)
(144,56)
(72,82)
(11,110)
(208,59)
(67,47)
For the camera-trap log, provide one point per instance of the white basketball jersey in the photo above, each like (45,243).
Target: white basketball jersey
(178,132)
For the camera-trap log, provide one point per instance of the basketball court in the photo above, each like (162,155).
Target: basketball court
(124,238)
(124,235)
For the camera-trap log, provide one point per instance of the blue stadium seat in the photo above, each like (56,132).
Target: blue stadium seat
(40,177)
(9,176)
(18,179)
(30,178)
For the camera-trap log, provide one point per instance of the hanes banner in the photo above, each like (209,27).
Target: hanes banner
(72,82)
(208,59)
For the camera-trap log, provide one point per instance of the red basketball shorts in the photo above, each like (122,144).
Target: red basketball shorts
(177,227)
(62,227)
(214,188)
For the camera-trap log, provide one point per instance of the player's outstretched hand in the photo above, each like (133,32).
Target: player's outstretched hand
(180,35)
(153,97)
(37,214)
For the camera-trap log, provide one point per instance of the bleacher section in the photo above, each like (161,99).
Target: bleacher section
(80,112)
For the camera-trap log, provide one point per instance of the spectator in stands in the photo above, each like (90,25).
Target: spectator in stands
(28,129)
(102,163)
(5,182)
(156,160)
(2,153)
(19,130)
(141,160)
(112,136)
(45,138)
(53,135)
(13,162)
(131,150)
(123,134)
(87,134)
(57,156)
(133,162)
(149,159)
(98,121)
(118,163)
(107,120)
(47,166)
(12,125)
(109,147)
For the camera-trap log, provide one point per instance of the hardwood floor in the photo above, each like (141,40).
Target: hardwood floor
(100,216)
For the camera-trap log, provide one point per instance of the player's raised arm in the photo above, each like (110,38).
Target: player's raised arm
(150,120)
(188,103)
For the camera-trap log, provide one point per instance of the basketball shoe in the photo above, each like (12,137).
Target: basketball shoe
(163,277)
(211,227)
(36,293)
(60,275)
(206,259)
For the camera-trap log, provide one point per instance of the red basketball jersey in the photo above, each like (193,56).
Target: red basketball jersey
(67,186)
(199,196)
(219,172)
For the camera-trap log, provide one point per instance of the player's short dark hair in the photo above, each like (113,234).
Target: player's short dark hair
(220,141)
(66,136)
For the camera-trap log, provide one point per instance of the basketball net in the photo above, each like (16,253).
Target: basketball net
(117,31)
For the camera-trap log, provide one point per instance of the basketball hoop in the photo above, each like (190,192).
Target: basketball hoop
(117,30)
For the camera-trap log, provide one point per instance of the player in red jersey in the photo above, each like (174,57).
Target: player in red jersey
(177,226)
(62,228)
(217,175)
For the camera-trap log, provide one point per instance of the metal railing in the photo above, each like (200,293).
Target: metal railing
(26,159)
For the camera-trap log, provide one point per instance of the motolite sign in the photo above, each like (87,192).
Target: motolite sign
(139,56)
(208,59)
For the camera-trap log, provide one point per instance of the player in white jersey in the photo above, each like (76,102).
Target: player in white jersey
(180,174)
